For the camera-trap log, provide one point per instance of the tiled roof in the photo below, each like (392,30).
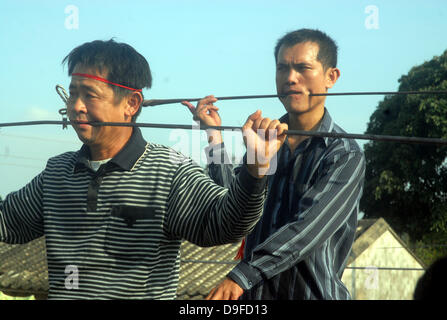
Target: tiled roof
(202,268)
(23,268)
(24,271)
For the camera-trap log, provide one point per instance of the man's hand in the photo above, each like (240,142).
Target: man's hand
(206,113)
(226,290)
(263,138)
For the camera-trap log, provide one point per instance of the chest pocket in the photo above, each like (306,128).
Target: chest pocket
(133,231)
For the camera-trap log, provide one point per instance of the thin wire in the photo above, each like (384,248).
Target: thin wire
(21,158)
(399,139)
(62,93)
(19,165)
(15,136)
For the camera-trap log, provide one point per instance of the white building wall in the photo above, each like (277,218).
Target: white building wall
(377,284)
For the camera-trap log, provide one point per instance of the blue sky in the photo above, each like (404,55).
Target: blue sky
(196,48)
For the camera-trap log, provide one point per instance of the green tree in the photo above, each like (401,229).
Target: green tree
(407,183)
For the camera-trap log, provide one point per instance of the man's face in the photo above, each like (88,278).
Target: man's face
(298,74)
(92,100)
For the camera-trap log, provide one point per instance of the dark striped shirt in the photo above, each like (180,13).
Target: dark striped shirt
(300,246)
(118,231)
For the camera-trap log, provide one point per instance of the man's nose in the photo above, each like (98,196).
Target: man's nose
(76,105)
(293,76)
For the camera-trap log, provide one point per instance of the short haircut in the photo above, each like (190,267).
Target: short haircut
(123,64)
(327,53)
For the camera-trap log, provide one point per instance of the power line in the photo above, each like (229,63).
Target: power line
(22,158)
(36,138)
(19,165)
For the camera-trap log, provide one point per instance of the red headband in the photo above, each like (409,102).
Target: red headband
(104,80)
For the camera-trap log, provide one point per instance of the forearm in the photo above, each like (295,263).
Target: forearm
(207,214)
(242,206)
(20,214)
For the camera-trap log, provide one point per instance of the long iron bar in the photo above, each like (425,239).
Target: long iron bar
(400,139)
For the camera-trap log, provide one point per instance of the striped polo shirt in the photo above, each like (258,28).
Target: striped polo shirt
(299,248)
(115,233)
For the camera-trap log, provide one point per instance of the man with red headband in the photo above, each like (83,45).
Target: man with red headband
(117,210)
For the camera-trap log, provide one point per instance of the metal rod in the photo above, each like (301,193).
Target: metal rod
(156,102)
(387,138)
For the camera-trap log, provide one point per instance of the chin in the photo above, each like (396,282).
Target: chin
(84,139)
(297,109)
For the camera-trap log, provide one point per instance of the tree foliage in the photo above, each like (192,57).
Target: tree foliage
(407,183)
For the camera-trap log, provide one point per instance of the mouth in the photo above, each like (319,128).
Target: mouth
(82,123)
(292,93)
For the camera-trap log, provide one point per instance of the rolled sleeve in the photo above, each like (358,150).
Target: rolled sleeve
(245,275)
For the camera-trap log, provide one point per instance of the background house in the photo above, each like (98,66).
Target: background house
(380,267)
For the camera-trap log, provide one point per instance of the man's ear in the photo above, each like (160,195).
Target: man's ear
(332,75)
(133,103)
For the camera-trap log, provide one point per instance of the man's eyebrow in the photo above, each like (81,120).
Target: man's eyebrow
(82,86)
(299,64)
(302,64)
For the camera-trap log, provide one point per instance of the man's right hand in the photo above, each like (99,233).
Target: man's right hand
(206,113)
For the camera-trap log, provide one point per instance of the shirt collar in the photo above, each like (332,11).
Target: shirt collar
(326,124)
(125,158)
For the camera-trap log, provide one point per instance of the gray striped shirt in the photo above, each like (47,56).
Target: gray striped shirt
(120,228)
(300,246)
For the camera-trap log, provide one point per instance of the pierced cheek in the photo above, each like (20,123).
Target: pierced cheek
(70,112)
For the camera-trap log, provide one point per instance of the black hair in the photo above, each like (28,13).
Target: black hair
(123,64)
(327,53)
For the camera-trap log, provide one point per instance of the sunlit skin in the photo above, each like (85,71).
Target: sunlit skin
(93,100)
(298,74)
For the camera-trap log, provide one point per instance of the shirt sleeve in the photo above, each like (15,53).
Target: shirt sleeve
(220,168)
(207,214)
(21,217)
(323,209)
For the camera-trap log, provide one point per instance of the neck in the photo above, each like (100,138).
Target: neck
(307,121)
(111,147)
